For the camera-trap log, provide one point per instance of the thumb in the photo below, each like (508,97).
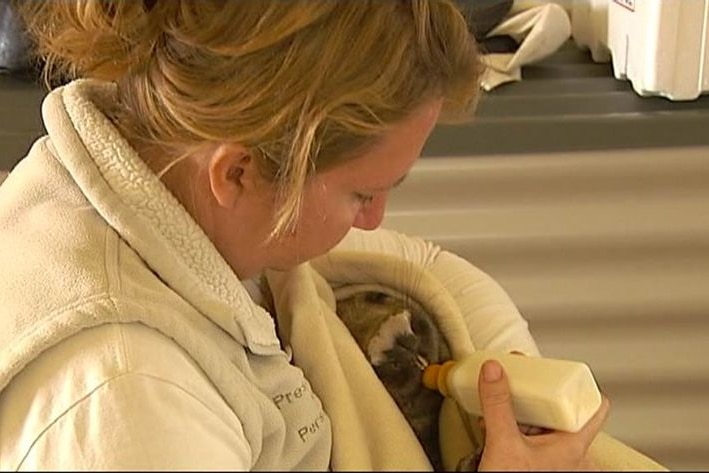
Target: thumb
(496,403)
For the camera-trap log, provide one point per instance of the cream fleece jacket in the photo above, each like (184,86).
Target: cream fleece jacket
(127,342)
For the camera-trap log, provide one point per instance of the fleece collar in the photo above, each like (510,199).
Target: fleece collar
(131,198)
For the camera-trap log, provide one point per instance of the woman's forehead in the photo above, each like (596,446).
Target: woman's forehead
(386,164)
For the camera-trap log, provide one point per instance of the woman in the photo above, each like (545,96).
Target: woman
(206,144)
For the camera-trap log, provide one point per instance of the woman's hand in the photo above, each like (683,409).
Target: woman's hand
(506,448)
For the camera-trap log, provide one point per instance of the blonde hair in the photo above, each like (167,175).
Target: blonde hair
(303,84)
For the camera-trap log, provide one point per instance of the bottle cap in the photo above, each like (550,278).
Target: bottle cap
(435,376)
(430,376)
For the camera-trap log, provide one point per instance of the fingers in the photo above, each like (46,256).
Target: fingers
(594,425)
(496,403)
(499,419)
(531,430)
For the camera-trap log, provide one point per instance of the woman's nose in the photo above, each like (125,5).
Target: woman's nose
(372,215)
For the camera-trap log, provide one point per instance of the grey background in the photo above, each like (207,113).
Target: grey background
(565,103)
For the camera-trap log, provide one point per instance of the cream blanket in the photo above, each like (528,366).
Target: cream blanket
(369,432)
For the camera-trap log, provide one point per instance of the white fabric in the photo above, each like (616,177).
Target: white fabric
(126,340)
(118,397)
(539,31)
(493,321)
(90,237)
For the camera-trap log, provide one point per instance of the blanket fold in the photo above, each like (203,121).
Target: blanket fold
(539,31)
(369,431)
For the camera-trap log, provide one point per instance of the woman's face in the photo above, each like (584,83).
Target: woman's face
(351,194)
(354,193)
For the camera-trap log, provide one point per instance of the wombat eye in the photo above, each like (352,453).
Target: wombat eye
(376,297)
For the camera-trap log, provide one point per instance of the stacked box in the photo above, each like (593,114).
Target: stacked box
(660,46)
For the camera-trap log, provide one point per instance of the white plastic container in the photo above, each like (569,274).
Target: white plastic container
(589,27)
(660,46)
(546,392)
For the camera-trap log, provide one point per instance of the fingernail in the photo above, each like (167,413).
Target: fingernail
(492,371)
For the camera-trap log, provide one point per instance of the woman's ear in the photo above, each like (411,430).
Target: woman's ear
(232,173)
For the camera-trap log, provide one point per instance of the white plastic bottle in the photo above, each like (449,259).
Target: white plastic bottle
(550,393)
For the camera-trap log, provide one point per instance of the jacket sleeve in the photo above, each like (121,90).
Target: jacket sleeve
(493,320)
(83,405)
(136,422)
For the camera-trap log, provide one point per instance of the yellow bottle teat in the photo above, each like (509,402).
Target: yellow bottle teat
(435,375)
